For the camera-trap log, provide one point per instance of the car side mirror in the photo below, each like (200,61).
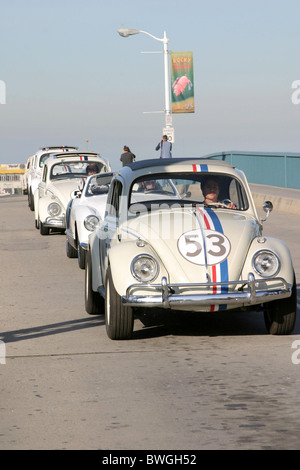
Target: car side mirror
(267,207)
(75,193)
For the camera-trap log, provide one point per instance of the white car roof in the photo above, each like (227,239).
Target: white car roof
(76,153)
(58,147)
(75,156)
(181,165)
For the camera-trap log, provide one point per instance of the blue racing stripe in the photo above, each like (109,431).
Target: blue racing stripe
(204,168)
(224,264)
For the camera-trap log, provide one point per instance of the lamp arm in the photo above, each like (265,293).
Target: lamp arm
(154,37)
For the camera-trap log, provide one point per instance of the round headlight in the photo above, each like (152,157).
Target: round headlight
(91,222)
(54,209)
(266,263)
(144,268)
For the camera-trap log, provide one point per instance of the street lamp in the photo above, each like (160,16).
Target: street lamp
(125,32)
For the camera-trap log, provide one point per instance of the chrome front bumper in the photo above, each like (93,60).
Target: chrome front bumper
(58,222)
(246,293)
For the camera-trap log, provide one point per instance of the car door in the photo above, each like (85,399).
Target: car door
(108,231)
(40,192)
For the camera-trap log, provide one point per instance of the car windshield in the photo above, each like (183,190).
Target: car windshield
(98,185)
(74,169)
(213,189)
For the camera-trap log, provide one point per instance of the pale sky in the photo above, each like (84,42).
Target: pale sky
(70,77)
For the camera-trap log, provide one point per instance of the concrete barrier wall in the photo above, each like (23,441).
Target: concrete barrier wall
(283,199)
(270,168)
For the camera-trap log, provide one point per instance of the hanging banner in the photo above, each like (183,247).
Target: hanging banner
(182,82)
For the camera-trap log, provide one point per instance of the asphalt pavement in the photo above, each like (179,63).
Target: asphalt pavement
(191,382)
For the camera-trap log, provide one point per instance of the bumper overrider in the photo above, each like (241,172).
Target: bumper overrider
(58,222)
(232,293)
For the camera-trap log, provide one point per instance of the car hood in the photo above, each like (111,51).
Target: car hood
(198,245)
(94,205)
(63,189)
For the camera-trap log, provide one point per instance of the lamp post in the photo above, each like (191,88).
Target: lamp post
(125,32)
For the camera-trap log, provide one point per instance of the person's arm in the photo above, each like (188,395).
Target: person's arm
(158,146)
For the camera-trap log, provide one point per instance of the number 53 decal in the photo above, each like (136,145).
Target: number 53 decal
(191,247)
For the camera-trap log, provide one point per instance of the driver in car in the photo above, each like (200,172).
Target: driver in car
(149,185)
(92,169)
(211,190)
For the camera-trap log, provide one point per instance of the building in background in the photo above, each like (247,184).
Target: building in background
(12,179)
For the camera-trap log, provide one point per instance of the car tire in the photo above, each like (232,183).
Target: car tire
(31,201)
(70,250)
(118,319)
(94,303)
(81,257)
(280,315)
(43,230)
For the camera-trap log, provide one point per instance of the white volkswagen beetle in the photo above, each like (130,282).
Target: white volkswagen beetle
(35,170)
(84,212)
(200,249)
(61,176)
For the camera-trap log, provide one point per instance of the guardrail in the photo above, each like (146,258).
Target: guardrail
(274,169)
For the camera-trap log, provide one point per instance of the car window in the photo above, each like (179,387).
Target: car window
(45,171)
(43,158)
(33,161)
(113,202)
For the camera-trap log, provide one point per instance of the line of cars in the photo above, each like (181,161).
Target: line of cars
(61,180)
(154,242)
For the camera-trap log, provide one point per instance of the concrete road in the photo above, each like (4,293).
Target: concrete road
(213,381)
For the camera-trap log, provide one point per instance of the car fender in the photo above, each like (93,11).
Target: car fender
(35,182)
(277,246)
(82,232)
(68,211)
(120,257)
(70,232)
(93,248)
(79,217)
(36,204)
(43,207)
